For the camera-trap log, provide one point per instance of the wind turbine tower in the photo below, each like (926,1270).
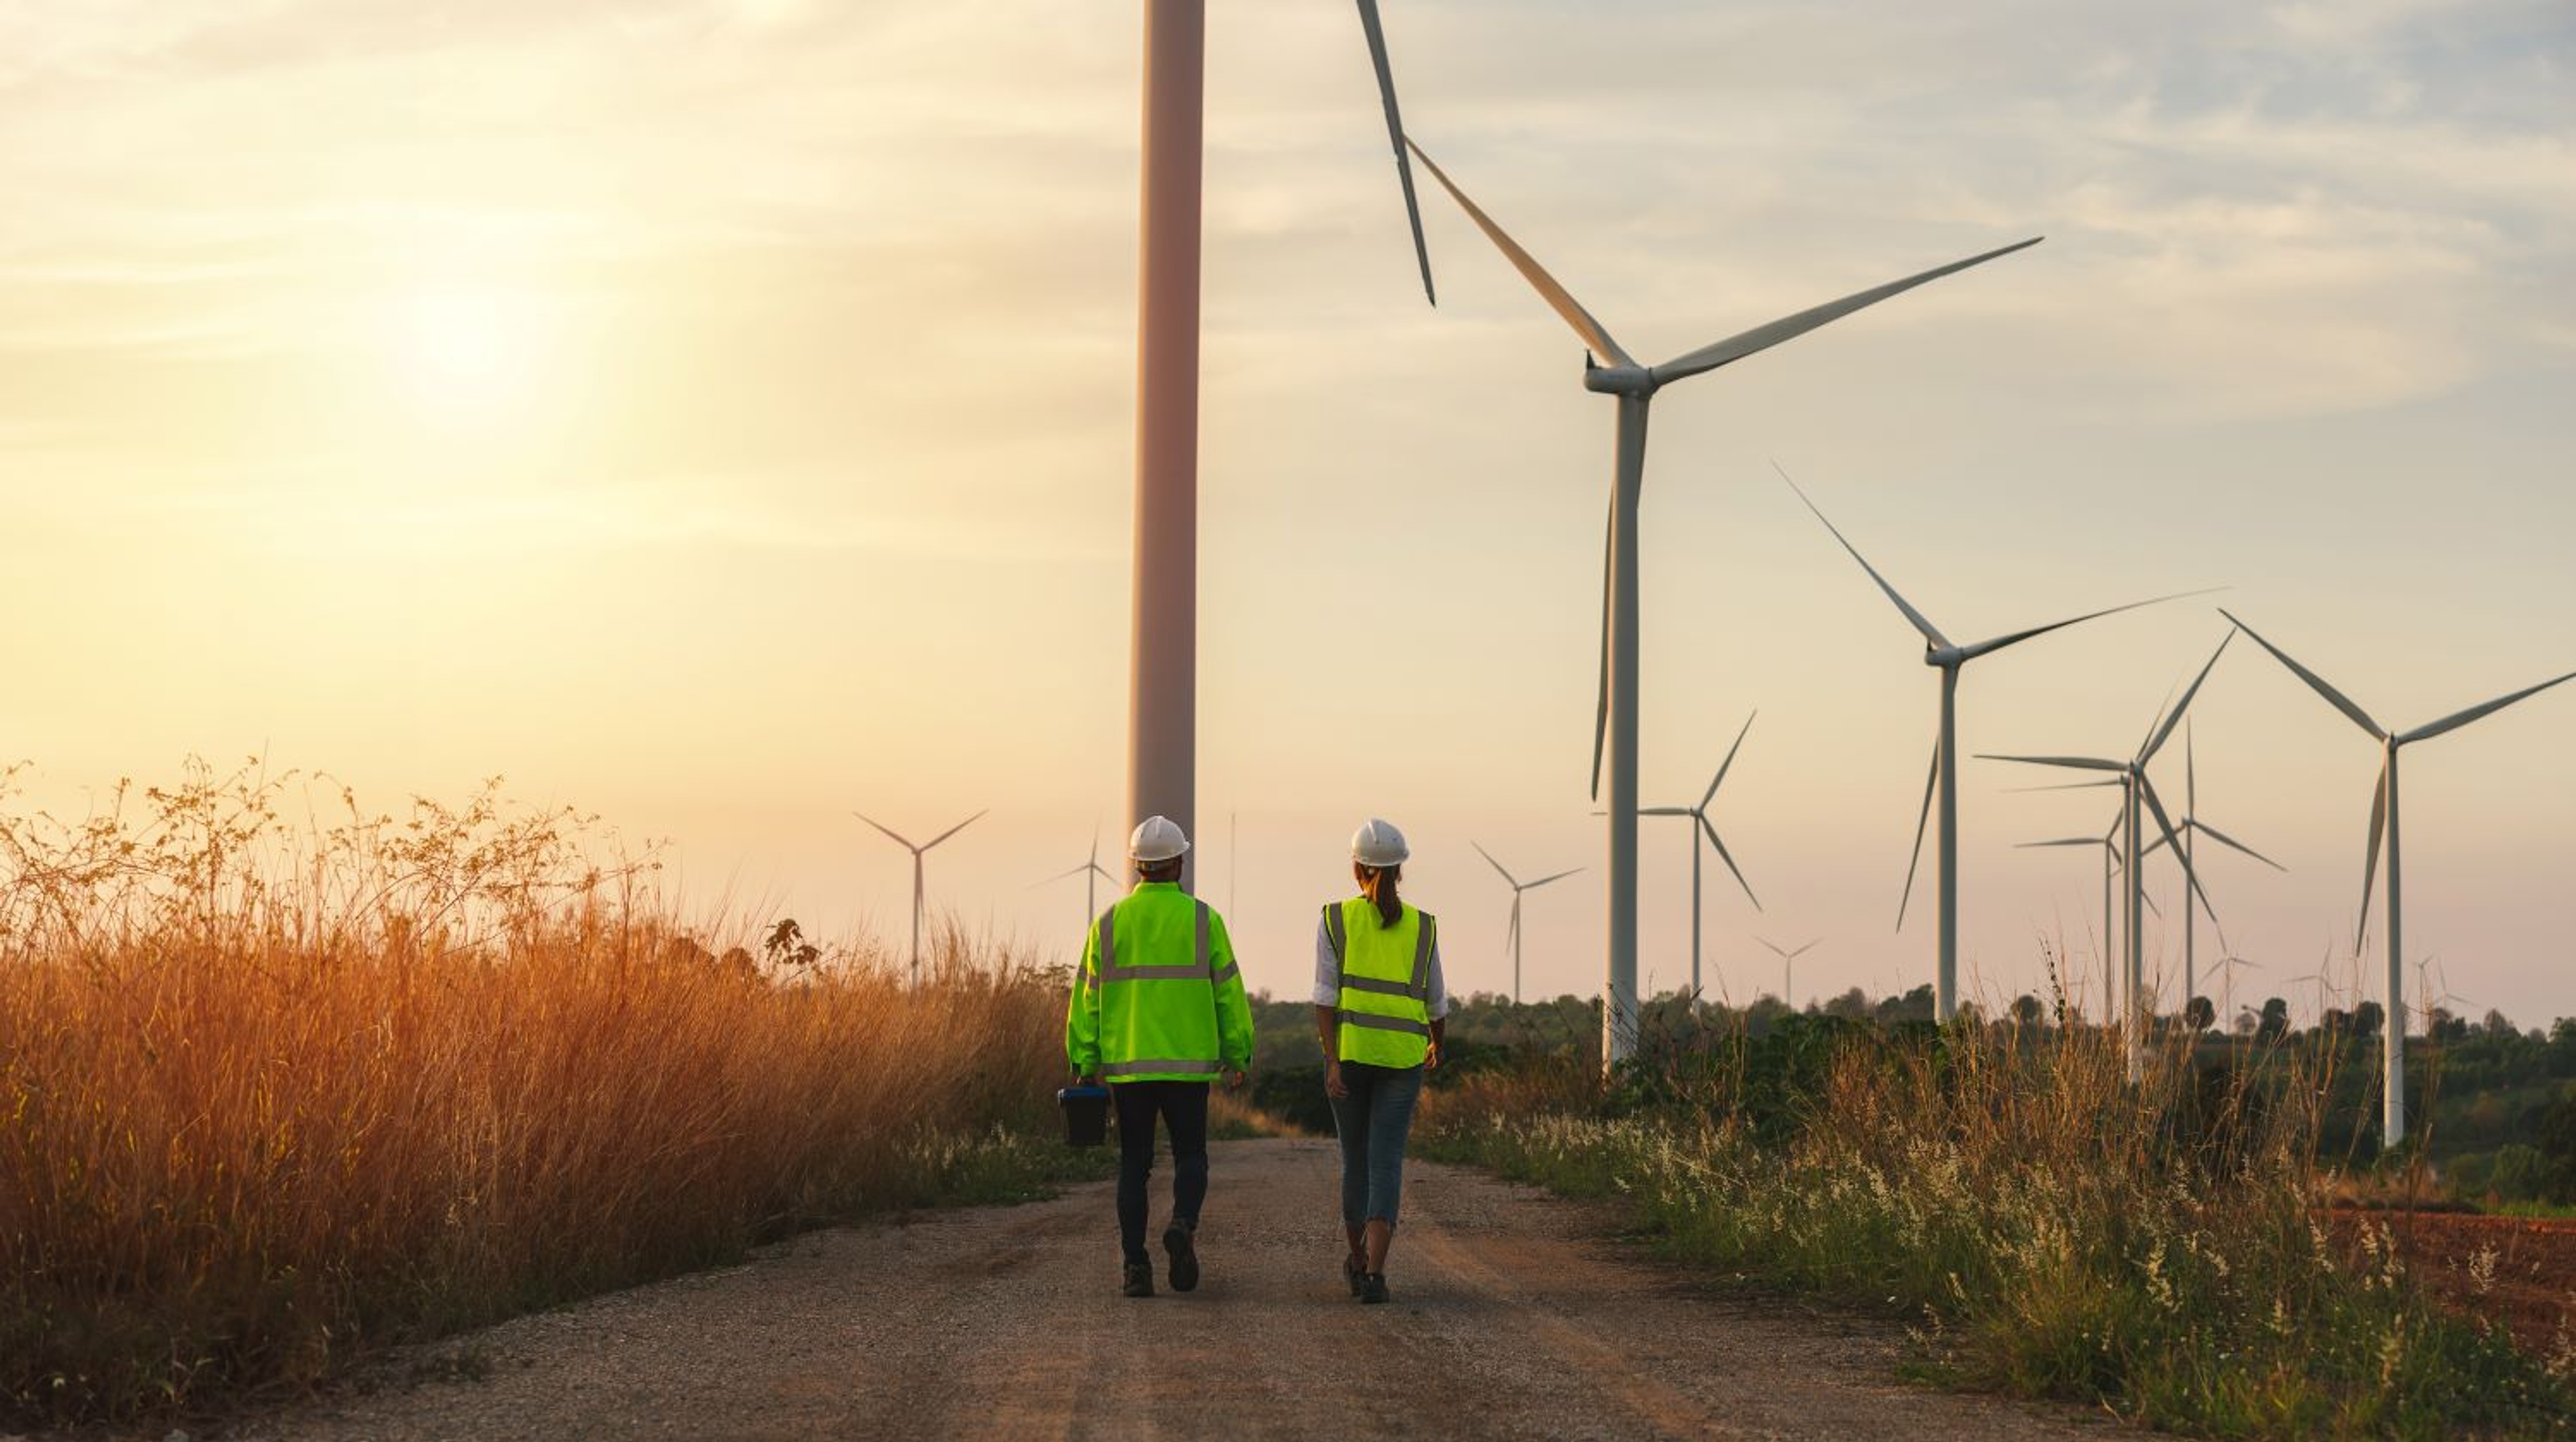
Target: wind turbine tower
(1162,729)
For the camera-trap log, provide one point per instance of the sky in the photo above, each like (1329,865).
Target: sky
(720,417)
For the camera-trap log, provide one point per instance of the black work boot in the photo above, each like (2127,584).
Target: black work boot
(1373,1287)
(1180,1243)
(1355,1272)
(1140,1279)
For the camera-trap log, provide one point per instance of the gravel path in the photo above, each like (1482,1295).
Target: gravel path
(1516,1315)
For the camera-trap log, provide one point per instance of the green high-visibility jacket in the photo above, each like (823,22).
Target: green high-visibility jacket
(1159,996)
(1385,1007)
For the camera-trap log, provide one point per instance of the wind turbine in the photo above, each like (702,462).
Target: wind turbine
(1950,659)
(2383,823)
(1518,886)
(1095,874)
(1699,814)
(2108,843)
(1788,958)
(2139,792)
(2192,827)
(1162,730)
(2228,964)
(1615,720)
(918,890)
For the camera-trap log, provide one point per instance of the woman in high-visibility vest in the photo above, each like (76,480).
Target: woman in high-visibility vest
(1379,1004)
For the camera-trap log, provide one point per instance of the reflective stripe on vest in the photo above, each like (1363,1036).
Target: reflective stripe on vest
(1138,1068)
(1196,970)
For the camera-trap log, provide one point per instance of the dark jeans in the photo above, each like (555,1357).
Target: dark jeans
(1373,1122)
(1183,1108)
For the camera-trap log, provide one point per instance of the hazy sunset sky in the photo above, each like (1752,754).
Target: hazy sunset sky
(720,416)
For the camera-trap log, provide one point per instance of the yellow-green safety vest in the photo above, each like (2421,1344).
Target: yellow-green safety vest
(1159,996)
(1384,1013)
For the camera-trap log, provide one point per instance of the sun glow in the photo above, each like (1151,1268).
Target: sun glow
(468,353)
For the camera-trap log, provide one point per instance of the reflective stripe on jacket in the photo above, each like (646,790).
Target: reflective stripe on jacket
(1384,1013)
(1159,996)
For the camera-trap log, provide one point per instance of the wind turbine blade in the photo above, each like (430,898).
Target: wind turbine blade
(2080,763)
(953,830)
(1763,337)
(1983,648)
(2060,786)
(1553,876)
(1395,137)
(2223,839)
(1802,951)
(1776,948)
(1665,811)
(2317,683)
(2370,861)
(1557,297)
(1711,794)
(2455,722)
(1921,820)
(1059,876)
(897,835)
(1601,695)
(2151,904)
(2164,823)
(1512,932)
(1922,623)
(1498,866)
(1730,863)
(2059,841)
(2165,732)
(2152,847)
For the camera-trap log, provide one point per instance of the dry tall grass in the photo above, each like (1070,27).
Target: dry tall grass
(272,1094)
(2158,1249)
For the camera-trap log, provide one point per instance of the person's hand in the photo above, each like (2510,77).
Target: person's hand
(1431,1058)
(1234,1080)
(1333,1085)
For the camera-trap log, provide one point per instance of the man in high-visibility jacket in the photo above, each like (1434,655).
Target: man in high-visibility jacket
(1158,1012)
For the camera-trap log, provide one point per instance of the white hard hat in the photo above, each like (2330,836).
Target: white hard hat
(1377,843)
(1157,838)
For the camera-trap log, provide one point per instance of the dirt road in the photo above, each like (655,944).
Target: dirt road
(1515,1315)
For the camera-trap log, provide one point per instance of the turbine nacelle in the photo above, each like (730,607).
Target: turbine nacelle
(1623,380)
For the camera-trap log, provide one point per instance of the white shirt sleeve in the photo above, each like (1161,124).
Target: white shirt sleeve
(1328,974)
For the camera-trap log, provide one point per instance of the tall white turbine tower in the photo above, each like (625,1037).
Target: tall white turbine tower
(2139,794)
(2383,823)
(1949,658)
(1704,829)
(1633,386)
(1788,958)
(1513,934)
(1162,729)
(919,887)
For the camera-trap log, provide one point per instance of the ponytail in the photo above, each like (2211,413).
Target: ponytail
(1377,883)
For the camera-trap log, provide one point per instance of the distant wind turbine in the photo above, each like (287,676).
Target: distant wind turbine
(2383,824)
(1095,874)
(2192,827)
(1705,829)
(1615,718)
(2108,843)
(1788,958)
(1518,886)
(2138,793)
(919,891)
(1950,659)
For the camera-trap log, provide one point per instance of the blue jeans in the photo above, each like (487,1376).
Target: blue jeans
(1373,1122)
